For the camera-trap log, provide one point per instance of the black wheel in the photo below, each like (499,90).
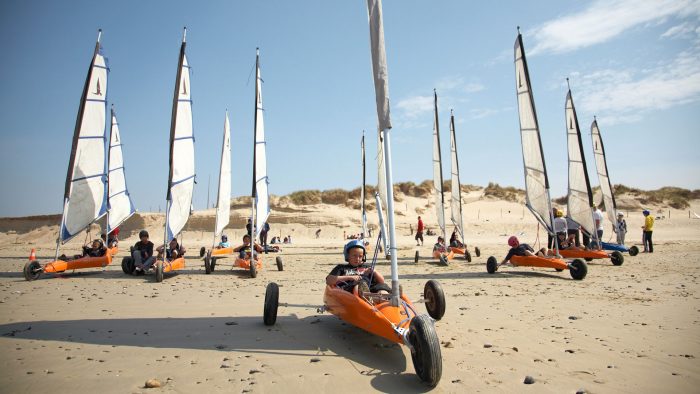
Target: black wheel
(578,269)
(202,251)
(588,259)
(32,270)
(426,356)
(467,256)
(207,264)
(477,251)
(434,299)
(633,250)
(415,259)
(253,268)
(128,265)
(212,263)
(272,296)
(617,258)
(280,266)
(443,260)
(491,265)
(159,271)
(558,269)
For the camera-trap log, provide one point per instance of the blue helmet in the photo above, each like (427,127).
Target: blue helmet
(645,212)
(356,243)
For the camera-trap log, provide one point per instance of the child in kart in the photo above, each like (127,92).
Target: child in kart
(454,240)
(224,242)
(95,249)
(354,273)
(440,245)
(244,250)
(174,250)
(142,253)
(518,249)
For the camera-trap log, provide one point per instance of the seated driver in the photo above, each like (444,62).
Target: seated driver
(244,250)
(518,249)
(354,273)
(224,242)
(440,246)
(174,250)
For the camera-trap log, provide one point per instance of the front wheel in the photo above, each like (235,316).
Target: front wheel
(417,256)
(159,271)
(491,265)
(32,270)
(253,268)
(434,299)
(467,256)
(477,251)
(272,295)
(578,269)
(633,250)
(128,265)
(280,266)
(617,258)
(443,260)
(426,356)
(207,264)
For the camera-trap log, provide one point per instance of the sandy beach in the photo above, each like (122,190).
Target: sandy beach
(629,328)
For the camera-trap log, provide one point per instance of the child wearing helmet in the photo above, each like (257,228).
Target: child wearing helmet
(347,276)
(96,249)
(174,250)
(224,242)
(518,249)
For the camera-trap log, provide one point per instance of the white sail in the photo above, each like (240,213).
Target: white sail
(362,189)
(381,183)
(536,182)
(579,198)
(119,201)
(603,175)
(437,172)
(260,181)
(456,200)
(85,189)
(182,175)
(223,199)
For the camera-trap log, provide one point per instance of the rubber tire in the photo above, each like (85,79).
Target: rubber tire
(32,270)
(588,259)
(212,263)
(443,261)
(617,258)
(580,271)
(253,268)
(434,299)
(467,256)
(415,259)
(202,251)
(159,271)
(272,296)
(558,269)
(425,352)
(491,265)
(207,264)
(280,265)
(633,250)
(128,265)
(477,251)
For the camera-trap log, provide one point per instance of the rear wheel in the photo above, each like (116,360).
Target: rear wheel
(434,299)
(578,269)
(128,265)
(443,260)
(491,265)
(280,266)
(415,259)
(272,295)
(202,251)
(253,268)
(32,270)
(207,263)
(159,271)
(477,251)
(617,258)
(467,256)
(634,250)
(426,356)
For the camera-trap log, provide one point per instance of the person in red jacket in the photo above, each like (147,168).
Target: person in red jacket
(419,232)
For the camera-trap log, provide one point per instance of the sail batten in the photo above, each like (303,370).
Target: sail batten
(119,201)
(535,171)
(579,197)
(603,174)
(181,177)
(85,193)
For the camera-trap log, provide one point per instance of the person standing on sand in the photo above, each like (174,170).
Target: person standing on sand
(620,228)
(419,232)
(647,229)
(263,234)
(598,217)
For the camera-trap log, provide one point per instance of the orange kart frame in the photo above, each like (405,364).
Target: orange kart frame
(444,257)
(33,269)
(615,257)
(577,268)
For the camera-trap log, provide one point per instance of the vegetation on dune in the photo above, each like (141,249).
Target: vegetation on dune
(508,193)
(674,197)
(306,197)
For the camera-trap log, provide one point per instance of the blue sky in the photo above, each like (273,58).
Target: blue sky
(634,64)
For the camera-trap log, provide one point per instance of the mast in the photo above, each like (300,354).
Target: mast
(580,198)
(223,195)
(535,171)
(603,174)
(381,88)
(437,171)
(456,201)
(85,177)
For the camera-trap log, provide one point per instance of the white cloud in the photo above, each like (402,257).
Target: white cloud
(415,106)
(623,96)
(603,20)
(684,30)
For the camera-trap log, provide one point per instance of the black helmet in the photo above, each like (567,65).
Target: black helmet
(143,233)
(224,238)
